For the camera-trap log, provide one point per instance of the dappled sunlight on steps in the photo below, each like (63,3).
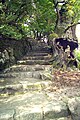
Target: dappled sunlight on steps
(31,73)
(24,89)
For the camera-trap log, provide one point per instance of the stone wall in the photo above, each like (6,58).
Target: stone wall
(12,50)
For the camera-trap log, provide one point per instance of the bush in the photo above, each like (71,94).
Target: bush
(77,54)
(53,35)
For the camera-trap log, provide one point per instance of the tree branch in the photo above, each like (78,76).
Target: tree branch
(71,26)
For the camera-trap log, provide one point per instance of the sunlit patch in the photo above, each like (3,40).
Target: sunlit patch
(57,108)
(78,32)
(1,81)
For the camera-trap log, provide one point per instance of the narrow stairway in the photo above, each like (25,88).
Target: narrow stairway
(23,89)
(29,72)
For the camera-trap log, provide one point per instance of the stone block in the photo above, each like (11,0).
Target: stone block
(55,110)
(29,113)
(74,107)
(7,114)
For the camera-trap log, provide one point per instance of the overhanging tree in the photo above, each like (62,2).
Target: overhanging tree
(22,18)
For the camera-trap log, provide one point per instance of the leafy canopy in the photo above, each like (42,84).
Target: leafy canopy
(19,18)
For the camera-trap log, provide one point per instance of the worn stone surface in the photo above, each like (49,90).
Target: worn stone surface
(56,110)
(74,107)
(32,106)
(24,78)
(12,86)
(7,114)
(62,118)
(27,68)
(27,92)
(27,106)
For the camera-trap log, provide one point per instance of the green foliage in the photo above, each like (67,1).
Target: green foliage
(38,15)
(76,9)
(77,54)
(12,14)
(44,16)
(73,10)
(10,31)
(53,35)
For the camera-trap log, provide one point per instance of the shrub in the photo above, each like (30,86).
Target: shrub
(77,54)
(53,35)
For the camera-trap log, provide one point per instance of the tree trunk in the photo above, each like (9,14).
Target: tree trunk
(62,21)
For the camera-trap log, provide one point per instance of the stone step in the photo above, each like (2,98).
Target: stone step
(33,106)
(41,49)
(37,57)
(38,44)
(37,54)
(43,75)
(11,86)
(27,68)
(33,62)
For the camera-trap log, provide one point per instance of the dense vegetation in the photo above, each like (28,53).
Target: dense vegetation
(21,18)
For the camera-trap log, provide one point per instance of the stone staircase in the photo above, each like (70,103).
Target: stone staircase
(24,93)
(31,72)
